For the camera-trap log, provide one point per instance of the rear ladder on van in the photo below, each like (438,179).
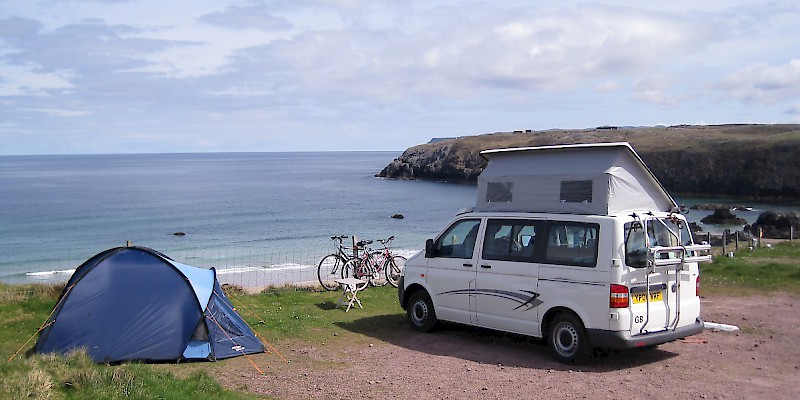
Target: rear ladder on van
(659,256)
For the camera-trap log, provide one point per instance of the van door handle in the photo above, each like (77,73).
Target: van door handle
(468,265)
(485,266)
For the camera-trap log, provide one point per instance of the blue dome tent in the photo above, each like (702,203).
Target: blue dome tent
(134,303)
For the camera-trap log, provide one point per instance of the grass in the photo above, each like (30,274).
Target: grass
(764,270)
(281,316)
(285,317)
(309,315)
(75,376)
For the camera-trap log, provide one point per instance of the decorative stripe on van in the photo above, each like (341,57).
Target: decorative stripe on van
(572,281)
(525,298)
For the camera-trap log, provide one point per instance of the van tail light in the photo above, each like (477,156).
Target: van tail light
(697,287)
(619,296)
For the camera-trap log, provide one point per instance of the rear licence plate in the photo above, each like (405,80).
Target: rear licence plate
(642,297)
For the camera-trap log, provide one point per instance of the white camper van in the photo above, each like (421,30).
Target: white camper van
(578,244)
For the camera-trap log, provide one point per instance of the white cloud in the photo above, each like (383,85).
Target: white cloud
(30,80)
(59,112)
(187,70)
(657,97)
(253,16)
(607,86)
(763,83)
(495,49)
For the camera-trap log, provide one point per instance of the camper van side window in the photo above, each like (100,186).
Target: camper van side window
(576,191)
(458,241)
(510,239)
(571,243)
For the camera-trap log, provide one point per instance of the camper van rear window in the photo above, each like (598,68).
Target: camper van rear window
(576,191)
(499,192)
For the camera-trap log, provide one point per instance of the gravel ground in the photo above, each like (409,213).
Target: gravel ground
(455,362)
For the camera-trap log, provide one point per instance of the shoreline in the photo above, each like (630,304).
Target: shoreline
(244,277)
(253,282)
(246,271)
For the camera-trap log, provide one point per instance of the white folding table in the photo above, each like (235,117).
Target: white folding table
(350,288)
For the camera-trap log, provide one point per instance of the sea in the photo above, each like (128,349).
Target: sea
(239,212)
(257,218)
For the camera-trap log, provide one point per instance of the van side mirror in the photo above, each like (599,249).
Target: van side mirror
(429,248)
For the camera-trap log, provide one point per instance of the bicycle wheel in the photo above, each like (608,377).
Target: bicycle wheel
(355,269)
(349,268)
(330,269)
(377,264)
(394,268)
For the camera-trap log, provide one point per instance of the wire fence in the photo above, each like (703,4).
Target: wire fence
(249,269)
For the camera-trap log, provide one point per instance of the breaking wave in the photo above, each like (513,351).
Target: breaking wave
(49,274)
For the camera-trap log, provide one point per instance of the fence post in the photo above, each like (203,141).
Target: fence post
(724,242)
(709,238)
(791,233)
(760,236)
(737,240)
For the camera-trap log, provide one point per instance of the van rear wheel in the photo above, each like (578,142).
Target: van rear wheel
(568,339)
(420,312)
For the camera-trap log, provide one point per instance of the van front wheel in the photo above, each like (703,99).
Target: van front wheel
(420,312)
(568,340)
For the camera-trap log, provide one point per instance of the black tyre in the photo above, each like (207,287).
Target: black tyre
(568,340)
(376,269)
(349,268)
(355,268)
(421,313)
(394,268)
(330,269)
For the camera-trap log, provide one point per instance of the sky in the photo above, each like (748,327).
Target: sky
(155,76)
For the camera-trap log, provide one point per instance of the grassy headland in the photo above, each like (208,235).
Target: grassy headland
(286,317)
(740,161)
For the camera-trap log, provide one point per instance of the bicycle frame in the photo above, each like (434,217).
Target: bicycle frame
(328,270)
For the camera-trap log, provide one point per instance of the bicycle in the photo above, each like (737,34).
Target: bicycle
(367,266)
(392,263)
(375,265)
(330,267)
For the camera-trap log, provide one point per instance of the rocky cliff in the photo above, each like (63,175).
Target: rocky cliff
(757,162)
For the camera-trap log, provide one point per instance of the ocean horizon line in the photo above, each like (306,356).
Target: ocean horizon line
(203,153)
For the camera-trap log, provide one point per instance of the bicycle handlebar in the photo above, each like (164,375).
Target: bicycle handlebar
(363,242)
(382,241)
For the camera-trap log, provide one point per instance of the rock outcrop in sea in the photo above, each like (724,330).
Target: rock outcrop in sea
(753,162)
(723,216)
(778,225)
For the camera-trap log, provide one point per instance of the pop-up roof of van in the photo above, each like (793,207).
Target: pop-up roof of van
(601,178)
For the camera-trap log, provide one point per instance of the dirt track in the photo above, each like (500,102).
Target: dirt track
(761,361)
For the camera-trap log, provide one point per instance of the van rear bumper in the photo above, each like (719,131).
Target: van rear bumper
(624,340)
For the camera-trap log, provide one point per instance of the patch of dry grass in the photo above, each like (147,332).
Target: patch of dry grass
(17,293)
